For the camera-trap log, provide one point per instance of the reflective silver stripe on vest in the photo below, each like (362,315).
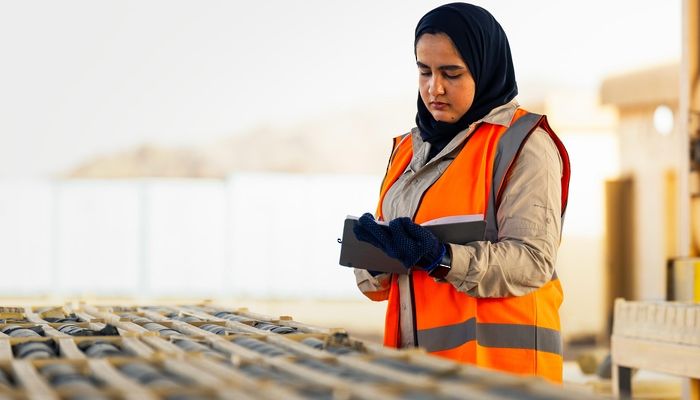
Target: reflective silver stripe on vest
(508,336)
(508,146)
(448,336)
(512,336)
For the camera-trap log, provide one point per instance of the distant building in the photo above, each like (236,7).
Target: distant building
(647,102)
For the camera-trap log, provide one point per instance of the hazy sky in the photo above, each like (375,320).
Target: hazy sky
(78,78)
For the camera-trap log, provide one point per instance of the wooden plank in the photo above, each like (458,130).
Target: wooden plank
(342,388)
(180,326)
(197,375)
(284,320)
(69,349)
(232,324)
(32,382)
(224,345)
(53,332)
(249,384)
(49,312)
(11,312)
(115,320)
(33,317)
(317,377)
(197,313)
(86,317)
(223,372)
(298,347)
(135,346)
(358,363)
(96,326)
(362,363)
(235,394)
(408,379)
(128,388)
(155,316)
(309,328)
(657,356)
(163,345)
(246,328)
(5,349)
(191,330)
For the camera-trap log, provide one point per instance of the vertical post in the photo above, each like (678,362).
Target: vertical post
(54,266)
(144,285)
(694,389)
(691,389)
(622,382)
(226,275)
(687,122)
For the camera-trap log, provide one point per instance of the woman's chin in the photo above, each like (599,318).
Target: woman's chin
(444,117)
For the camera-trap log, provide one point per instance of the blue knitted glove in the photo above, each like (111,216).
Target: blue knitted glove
(403,240)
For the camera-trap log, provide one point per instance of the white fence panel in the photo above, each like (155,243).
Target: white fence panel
(257,234)
(285,229)
(185,242)
(98,234)
(25,237)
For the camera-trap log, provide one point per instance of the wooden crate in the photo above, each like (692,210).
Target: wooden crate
(657,336)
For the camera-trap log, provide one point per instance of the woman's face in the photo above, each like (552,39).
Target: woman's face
(446,85)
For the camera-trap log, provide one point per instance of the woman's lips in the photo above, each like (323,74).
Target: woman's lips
(438,105)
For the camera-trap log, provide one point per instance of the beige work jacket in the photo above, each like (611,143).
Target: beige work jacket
(529,221)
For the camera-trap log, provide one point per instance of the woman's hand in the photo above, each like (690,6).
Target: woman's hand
(403,240)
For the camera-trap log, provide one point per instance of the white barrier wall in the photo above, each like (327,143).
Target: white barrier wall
(26,246)
(185,246)
(285,231)
(254,235)
(97,237)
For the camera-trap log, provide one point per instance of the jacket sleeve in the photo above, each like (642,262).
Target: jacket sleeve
(376,288)
(529,221)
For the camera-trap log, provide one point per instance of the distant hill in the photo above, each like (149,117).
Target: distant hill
(350,142)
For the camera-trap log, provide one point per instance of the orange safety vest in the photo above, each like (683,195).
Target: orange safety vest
(515,334)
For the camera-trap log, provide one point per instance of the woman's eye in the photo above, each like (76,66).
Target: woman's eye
(448,76)
(425,73)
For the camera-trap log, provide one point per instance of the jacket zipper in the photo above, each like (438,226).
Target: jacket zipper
(413,309)
(410,275)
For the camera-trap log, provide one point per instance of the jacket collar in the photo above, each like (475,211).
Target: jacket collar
(501,115)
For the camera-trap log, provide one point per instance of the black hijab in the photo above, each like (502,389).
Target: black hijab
(483,45)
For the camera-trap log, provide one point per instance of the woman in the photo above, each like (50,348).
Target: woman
(493,303)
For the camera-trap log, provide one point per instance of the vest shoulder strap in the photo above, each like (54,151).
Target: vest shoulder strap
(507,150)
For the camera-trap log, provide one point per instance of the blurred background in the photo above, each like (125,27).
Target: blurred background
(179,149)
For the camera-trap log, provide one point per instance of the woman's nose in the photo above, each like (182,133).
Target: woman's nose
(435,87)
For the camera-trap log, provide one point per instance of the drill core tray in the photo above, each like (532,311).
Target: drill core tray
(206,351)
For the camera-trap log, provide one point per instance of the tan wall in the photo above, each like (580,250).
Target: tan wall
(650,159)
(588,131)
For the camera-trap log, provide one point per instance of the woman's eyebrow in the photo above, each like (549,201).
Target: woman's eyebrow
(442,67)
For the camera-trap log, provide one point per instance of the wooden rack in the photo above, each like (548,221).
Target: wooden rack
(215,352)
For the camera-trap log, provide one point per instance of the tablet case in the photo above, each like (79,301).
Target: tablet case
(357,254)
